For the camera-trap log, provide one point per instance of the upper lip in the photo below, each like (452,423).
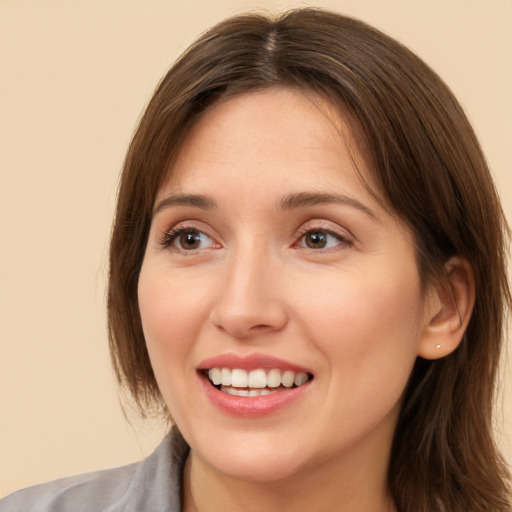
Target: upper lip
(250,362)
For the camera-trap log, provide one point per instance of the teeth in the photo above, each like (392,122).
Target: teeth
(245,392)
(257,379)
(215,376)
(274,379)
(225,376)
(239,378)
(287,379)
(255,382)
(300,378)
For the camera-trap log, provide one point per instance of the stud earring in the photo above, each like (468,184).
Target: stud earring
(438,347)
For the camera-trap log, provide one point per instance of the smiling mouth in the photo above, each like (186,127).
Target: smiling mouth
(259,382)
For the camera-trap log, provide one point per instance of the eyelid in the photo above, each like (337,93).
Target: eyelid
(169,236)
(342,234)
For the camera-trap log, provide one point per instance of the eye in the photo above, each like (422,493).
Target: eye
(186,239)
(321,238)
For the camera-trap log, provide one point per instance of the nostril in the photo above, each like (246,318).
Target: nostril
(260,327)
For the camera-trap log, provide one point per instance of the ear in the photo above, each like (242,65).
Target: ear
(449,306)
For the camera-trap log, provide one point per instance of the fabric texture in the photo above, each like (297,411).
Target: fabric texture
(154,484)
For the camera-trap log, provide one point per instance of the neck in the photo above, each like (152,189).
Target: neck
(356,486)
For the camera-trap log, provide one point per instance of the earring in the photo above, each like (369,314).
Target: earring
(438,347)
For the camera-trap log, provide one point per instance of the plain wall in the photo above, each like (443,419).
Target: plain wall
(74,78)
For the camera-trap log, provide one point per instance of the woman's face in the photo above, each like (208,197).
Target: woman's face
(271,268)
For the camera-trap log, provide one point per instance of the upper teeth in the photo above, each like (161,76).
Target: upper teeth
(256,378)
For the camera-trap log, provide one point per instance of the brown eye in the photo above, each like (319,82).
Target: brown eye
(315,239)
(321,239)
(187,239)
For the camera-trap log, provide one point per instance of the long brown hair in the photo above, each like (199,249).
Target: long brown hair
(429,167)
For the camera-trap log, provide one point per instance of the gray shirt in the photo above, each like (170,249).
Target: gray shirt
(152,485)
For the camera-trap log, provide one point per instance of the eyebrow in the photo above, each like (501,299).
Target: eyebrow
(304,199)
(289,202)
(195,200)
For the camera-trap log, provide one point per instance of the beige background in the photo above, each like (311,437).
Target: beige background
(74,77)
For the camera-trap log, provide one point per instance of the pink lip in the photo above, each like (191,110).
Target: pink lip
(255,406)
(252,406)
(249,362)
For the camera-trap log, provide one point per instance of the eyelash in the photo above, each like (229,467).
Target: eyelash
(171,235)
(303,231)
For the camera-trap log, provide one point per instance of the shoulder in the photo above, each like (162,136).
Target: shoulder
(91,491)
(152,484)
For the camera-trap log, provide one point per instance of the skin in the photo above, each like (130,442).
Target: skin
(353,313)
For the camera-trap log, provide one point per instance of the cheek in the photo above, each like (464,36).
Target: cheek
(172,309)
(361,302)
(170,305)
(367,326)
(172,312)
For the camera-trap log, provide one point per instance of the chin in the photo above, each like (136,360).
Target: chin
(252,457)
(255,467)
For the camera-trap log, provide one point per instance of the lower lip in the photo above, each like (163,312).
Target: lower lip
(252,406)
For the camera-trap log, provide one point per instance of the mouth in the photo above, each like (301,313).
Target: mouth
(257,382)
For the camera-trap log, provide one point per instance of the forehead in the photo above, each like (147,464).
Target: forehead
(298,134)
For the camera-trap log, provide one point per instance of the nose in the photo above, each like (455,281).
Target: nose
(249,302)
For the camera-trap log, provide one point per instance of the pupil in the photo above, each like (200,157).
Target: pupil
(190,240)
(316,240)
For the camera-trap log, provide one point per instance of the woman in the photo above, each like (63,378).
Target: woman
(307,275)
